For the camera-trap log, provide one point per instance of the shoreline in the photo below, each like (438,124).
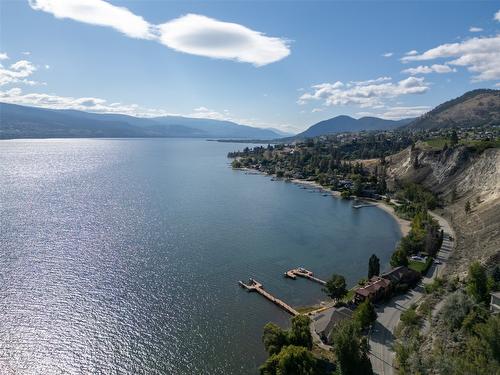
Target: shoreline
(403,224)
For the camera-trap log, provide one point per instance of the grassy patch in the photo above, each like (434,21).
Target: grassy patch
(306,309)
(437,143)
(349,296)
(417,266)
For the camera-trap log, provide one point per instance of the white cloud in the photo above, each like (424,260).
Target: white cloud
(474,29)
(480,55)
(99,105)
(203,36)
(26,53)
(396,113)
(371,93)
(3,56)
(413,52)
(497,16)
(314,110)
(424,69)
(226,115)
(388,54)
(97,12)
(193,34)
(17,72)
(90,104)
(47,66)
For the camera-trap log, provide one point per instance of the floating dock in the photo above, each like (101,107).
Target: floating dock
(255,286)
(363,205)
(302,272)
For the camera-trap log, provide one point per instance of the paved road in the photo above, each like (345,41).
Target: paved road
(382,335)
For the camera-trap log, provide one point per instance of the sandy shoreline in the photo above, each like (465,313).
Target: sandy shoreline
(404,225)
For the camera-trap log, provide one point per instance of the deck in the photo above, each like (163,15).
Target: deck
(301,272)
(255,286)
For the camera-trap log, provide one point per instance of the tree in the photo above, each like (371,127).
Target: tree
(291,360)
(399,258)
(477,283)
(274,338)
(467,207)
(373,266)
(365,314)
(300,333)
(453,138)
(336,287)
(350,350)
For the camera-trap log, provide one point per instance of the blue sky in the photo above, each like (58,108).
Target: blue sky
(270,64)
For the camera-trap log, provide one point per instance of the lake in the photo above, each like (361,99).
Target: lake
(123,256)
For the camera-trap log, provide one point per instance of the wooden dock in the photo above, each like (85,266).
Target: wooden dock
(363,205)
(255,286)
(302,272)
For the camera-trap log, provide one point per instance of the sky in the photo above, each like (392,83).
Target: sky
(279,64)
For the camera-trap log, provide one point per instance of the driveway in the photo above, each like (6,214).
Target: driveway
(382,334)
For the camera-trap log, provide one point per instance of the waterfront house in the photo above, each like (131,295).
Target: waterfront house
(402,275)
(325,322)
(376,288)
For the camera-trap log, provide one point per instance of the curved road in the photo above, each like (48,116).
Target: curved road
(382,334)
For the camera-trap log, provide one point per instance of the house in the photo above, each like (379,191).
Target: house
(376,288)
(495,302)
(402,275)
(325,322)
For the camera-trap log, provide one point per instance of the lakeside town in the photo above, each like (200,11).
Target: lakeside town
(358,166)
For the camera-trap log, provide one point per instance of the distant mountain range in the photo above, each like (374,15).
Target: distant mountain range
(474,108)
(18,121)
(342,124)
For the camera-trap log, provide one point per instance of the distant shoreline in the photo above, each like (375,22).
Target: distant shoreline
(404,225)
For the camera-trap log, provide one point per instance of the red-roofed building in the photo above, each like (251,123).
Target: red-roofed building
(374,290)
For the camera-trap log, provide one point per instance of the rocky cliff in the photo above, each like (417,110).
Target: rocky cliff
(459,175)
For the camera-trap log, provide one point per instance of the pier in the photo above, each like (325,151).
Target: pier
(363,205)
(302,272)
(255,286)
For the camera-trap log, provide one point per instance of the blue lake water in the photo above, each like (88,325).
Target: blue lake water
(123,256)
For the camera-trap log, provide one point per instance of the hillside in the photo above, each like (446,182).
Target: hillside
(474,108)
(458,175)
(341,124)
(30,122)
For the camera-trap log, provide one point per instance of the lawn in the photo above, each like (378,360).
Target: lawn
(417,266)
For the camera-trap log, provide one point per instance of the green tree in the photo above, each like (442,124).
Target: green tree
(365,314)
(300,333)
(399,258)
(336,287)
(373,266)
(351,350)
(291,360)
(477,283)
(453,138)
(274,338)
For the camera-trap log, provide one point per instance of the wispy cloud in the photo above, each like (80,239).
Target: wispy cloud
(97,12)
(192,33)
(388,54)
(3,56)
(90,104)
(17,72)
(481,55)
(370,93)
(474,29)
(424,69)
(396,113)
(413,52)
(497,16)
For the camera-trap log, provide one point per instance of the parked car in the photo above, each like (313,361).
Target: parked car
(437,261)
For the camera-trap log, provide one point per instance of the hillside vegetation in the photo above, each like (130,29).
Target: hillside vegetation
(474,108)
